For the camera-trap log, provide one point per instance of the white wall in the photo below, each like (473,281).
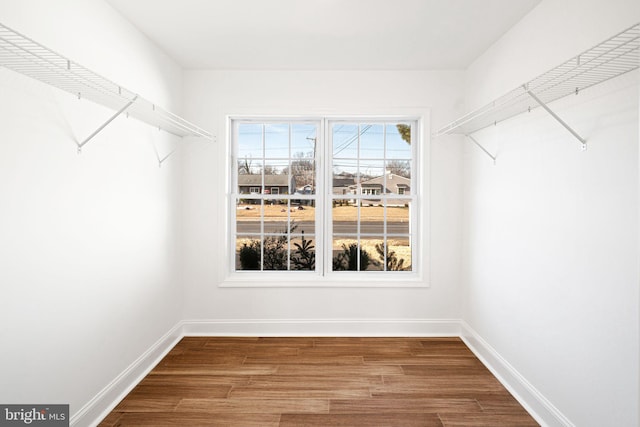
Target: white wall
(209,95)
(550,232)
(88,262)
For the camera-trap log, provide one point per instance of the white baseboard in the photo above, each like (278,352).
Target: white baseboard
(99,407)
(317,327)
(529,397)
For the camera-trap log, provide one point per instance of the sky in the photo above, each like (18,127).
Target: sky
(366,144)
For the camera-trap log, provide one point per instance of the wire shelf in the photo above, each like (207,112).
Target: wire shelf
(25,56)
(611,58)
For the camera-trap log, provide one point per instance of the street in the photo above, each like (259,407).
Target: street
(342,227)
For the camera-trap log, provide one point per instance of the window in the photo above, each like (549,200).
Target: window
(371,229)
(354,211)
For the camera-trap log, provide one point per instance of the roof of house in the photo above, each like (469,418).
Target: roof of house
(269,180)
(391,181)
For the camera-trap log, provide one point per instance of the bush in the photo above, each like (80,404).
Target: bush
(250,255)
(393,263)
(348,258)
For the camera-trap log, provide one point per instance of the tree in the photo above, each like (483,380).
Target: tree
(302,168)
(270,170)
(244,166)
(304,257)
(399,167)
(405,132)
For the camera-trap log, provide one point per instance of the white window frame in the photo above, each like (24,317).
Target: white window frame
(324,277)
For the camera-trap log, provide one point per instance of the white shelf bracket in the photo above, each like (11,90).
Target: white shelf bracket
(583,142)
(482,148)
(105,124)
(161,160)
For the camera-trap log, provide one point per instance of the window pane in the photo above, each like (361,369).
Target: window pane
(345,141)
(372,217)
(276,252)
(276,176)
(372,141)
(303,141)
(398,218)
(398,257)
(249,166)
(398,137)
(372,174)
(344,177)
(345,253)
(276,140)
(303,218)
(345,217)
(400,168)
(276,216)
(303,252)
(248,216)
(370,246)
(248,253)
(303,171)
(249,144)
(349,254)
(249,176)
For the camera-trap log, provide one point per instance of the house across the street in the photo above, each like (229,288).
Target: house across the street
(273,184)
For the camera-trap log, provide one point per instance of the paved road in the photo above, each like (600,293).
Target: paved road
(338,227)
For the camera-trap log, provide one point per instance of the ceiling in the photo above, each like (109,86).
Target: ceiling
(324,34)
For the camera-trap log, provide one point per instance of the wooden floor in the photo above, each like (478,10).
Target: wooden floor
(319,382)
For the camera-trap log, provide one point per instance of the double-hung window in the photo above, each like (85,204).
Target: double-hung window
(324,198)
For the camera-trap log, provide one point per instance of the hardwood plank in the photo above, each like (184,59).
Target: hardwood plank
(168,387)
(279,387)
(254,406)
(112,419)
(488,420)
(453,382)
(404,406)
(414,360)
(499,403)
(222,370)
(205,357)
(318,387)
(138,403)
(446,369)
(171,419)
(379,351)
(199,381)
(179,392)
(369,420)
(304,360)
(340,370)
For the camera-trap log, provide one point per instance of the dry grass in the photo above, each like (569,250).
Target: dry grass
(340,213)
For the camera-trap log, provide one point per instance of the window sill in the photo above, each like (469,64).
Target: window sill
(334,280)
